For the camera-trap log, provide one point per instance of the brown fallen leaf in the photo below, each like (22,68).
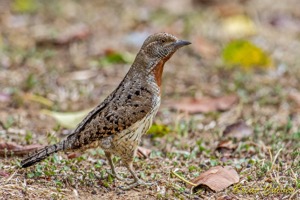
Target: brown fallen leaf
(75,32)
(217,178)
(238,130)
(143,152)
(70,34)
(215,3)
(11,148)
(229,9)
(10,145)
(231,116)
(205,2)
(226,146)
(205,104)
(74,155)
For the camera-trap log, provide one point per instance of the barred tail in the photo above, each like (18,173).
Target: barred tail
(42,154)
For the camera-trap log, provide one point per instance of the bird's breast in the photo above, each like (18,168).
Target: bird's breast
(157,71)
(128,140)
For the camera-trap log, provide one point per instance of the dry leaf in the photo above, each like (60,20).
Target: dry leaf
(206,2)
(24,6)
(245,54)
(230,9)
(159,130)
(238,130)
(74,155)
(70,34)
(217,178)
(238,26)
(75,32)
(226,145)
(205,105)
(230,116)
(216,3)
(39,99)
(225,148)
(143,152)
(11,148)
(67,119)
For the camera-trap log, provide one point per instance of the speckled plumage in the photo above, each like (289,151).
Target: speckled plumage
(117,124)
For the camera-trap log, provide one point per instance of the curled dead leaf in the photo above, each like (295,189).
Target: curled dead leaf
(238,130)
(226,146)
(9,145)
(73,155)
(11,148)
(217,178)
(205,105)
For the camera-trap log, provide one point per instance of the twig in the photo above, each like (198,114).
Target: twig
(183,179)
(291,197)
(11,176)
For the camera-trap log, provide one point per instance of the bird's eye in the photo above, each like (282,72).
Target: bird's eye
(163,41)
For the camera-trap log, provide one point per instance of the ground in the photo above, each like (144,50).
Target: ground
(67,56)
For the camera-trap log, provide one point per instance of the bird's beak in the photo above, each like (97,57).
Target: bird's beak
(181,43)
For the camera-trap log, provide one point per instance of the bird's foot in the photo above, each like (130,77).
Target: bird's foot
(135,183)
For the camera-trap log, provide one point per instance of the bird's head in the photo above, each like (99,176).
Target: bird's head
(155,51)
(161,46)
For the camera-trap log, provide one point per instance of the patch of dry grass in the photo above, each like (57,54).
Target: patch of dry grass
(268,161)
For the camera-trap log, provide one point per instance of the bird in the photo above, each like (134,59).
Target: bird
(117,124)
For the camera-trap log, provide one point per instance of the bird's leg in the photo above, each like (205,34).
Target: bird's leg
(136,181)
(112,166)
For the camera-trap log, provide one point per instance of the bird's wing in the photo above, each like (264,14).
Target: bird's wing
(119,111)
